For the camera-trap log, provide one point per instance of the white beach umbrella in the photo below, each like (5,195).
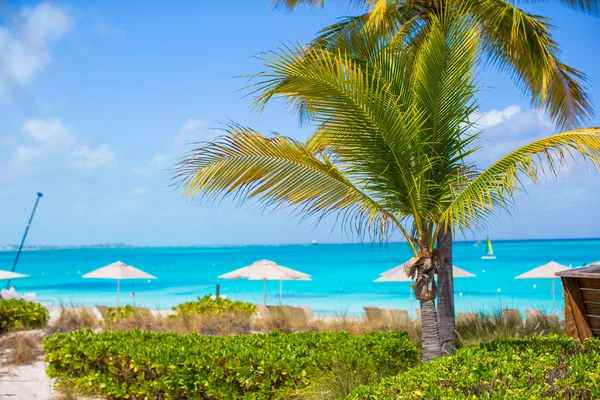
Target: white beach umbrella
(396,270)
(593,264)
(397,274)
(546,271)
(461,273)
(6,275)
(266,270)
(118,271)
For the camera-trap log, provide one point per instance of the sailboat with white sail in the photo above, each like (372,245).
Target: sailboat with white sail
(489,251)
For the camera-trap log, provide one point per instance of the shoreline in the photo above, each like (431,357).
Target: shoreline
(12,247)
(55,310)
(342,275)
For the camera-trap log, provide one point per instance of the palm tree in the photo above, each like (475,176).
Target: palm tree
(392,148)
(514,41)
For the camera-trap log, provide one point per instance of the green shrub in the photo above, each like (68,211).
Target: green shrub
(345,373)
(169,366)
(541,367)
(114,314)
(21,314)
(208,305)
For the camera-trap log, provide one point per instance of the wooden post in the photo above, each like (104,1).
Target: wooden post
(576,320)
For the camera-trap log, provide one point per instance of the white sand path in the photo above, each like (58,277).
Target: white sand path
(27,382)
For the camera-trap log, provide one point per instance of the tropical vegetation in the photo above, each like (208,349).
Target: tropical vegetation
(392,150)
(18,315)
(138,364)
(512,40)
(553,367)
(218,305)
(114,314)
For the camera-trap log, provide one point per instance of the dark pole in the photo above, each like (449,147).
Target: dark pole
(39,195)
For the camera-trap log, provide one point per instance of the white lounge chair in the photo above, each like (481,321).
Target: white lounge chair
(10,294)
(29,297)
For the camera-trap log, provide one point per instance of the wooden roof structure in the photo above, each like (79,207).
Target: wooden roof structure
(582,301)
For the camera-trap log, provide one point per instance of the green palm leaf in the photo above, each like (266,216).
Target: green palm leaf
(516,42)
(520,43)
(278,172)
(495,187)
(588,6)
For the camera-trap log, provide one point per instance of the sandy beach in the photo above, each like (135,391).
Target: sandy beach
(28,382)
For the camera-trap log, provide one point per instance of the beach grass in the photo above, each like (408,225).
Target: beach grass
(343,377)
(22,348)
(224,324)
(500,324)
(72,319)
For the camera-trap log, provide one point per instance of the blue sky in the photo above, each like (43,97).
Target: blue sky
(98,98)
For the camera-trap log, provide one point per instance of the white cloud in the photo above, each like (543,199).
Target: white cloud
(495,117)
(507,130)
(25,45)
(105,29)
(193,130)
(50,132)
(51,145)
(48,138)
(138,198)
(90,158)
(138,192)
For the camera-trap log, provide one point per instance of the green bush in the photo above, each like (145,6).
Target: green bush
(114,314)
(207,305)
(142,364)
(22,314)
(541,367)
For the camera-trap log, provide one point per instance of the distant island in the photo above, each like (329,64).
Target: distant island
(10,247)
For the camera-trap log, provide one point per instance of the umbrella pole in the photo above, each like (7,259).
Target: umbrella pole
(118,290)
(410,297)
(553,298)
(265,290)
(280,291)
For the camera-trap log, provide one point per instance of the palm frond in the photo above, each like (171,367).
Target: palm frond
(495,187)
(371,127)
(397,129)
(591,7)
(588,6)
(516,42)
(279,172)
(391,23)
(521,44)
(444,89)
(292,4)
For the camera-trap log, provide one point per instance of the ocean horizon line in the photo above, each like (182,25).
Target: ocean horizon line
(166,246)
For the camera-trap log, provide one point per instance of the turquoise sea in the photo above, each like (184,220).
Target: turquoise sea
(342,274)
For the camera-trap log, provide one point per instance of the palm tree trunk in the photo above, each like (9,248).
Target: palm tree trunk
(445,306)
(430,347)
